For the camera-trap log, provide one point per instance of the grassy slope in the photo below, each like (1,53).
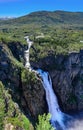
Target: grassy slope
(64,26)
(63,31)
(49,17)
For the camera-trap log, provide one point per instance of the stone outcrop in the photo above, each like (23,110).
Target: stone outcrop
(33,94)
(17,50)
(67,78)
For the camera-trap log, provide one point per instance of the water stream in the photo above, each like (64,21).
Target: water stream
(27,63)
(59,120)
(57,117)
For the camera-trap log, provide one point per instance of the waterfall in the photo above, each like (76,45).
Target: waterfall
(57,117)
(59,120)
(54,110)
(27,63)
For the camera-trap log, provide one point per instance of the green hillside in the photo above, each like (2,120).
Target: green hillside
(63,30)
(48,17)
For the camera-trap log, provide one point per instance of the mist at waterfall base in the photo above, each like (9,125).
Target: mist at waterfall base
(59,120)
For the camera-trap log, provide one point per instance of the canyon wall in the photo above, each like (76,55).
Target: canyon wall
(26,88)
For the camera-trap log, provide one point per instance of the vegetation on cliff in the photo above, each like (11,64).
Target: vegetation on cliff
(10,114)
(12,118)
(14,97)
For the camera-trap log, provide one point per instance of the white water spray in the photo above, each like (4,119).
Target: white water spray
(56,115)
(27,63)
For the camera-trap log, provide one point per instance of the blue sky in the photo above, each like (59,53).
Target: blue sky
(22,7)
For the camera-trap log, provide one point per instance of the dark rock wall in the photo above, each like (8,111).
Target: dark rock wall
(67,77)
(33,93)
(24,86)
(27,90)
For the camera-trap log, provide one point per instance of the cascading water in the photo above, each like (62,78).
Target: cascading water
(27,63)
(54,110)
(58,119)
(57,116)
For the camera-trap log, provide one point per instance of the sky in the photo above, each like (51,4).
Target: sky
(17,8)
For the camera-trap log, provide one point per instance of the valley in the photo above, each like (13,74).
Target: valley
(57,48)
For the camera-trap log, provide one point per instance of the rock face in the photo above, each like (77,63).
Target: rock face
(26,88)
(33,94)
(67,77)
(17,50)
(9,127)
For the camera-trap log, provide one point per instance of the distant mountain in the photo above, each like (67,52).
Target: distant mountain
(56,17)
(48,17)
(6,18)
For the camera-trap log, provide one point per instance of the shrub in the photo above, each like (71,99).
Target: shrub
(43,122)
(2,106)
(26,124)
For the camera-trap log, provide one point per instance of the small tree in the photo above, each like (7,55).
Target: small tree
(44,123)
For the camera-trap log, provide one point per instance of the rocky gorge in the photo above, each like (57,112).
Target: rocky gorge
(66,72)
(67,78)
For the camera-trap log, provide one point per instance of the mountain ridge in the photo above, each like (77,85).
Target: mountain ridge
(55,16)
(49,17)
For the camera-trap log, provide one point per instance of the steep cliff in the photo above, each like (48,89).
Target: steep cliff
(26,88)
(67,77)
(11,117)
